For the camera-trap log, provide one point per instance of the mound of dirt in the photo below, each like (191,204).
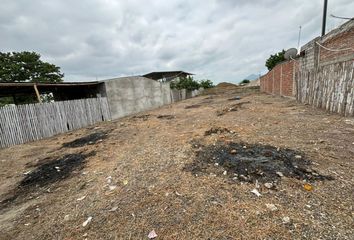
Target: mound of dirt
(248,163)
(225,84)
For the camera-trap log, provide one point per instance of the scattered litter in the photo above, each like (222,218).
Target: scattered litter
(109,179)
(255,191)
(152,234)
(67,217)
(268,185)
(178,194)
(280,174)
(81,198)
(113,209)
(271,207)
(112,187)
(233,151)
(89,219)
(125,182)
(286,220)
(235,98)
(298,156)
(257,185)
(224,173)
(308,187)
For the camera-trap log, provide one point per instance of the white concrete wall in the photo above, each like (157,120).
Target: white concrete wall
(129,95)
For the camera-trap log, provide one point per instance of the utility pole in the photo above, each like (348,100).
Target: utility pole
(298,40)
(324,17)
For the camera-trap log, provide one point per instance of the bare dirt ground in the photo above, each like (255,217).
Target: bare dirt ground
(191,170)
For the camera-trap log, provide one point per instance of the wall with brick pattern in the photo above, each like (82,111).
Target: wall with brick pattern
(280,80)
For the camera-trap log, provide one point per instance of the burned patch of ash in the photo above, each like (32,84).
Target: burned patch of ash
(86,140)
(53,170)
(250,162)
(193,106)
(217,130)
(47,171)
(168,117)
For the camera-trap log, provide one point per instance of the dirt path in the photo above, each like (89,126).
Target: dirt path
(187,171)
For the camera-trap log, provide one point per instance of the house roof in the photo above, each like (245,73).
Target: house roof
(31,84)
(166,74)
(8,88)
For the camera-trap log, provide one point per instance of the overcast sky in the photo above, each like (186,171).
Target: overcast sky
(223,40)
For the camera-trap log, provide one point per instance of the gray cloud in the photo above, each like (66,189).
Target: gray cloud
(222,40)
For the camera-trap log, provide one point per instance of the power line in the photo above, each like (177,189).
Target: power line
(335,50)
(345,18)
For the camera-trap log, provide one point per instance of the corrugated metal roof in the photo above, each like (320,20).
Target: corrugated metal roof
(62,84)
(165,74)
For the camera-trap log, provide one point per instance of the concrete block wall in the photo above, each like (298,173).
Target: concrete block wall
(129,95)
(179,95)
(328,82)
(309,53)
(280,80)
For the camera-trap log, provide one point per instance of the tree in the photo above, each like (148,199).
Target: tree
(185,83)
(275,59)
(244,81)
(27,67)
(206,84)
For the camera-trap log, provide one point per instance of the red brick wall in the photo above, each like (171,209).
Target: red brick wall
(280,80)
(341,41)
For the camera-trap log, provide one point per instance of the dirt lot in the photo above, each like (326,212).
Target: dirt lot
(212,167)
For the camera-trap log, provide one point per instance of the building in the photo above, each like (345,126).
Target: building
(27,92)
(167,76)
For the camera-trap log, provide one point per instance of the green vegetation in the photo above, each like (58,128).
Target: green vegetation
(273,60)
(190,84)
(206,84)
(244,81)
(27,67)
